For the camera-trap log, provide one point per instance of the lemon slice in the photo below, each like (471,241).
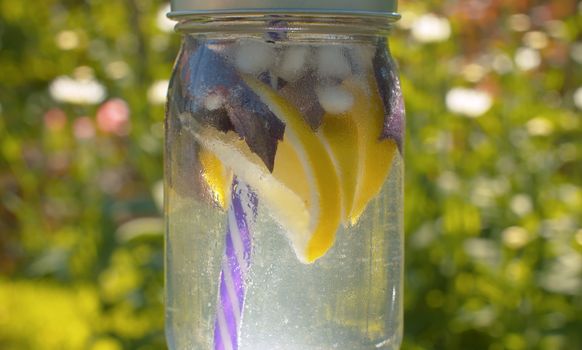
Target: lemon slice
(289,170)
(280,195)
(217,177)
(324,202)
(340,135)
(284,205)
(375,155)
(353,139)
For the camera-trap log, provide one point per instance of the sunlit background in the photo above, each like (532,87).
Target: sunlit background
(494,173)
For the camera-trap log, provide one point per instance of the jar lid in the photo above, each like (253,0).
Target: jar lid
(340,7)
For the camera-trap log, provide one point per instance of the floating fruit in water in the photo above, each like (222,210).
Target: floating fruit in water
(320,156)
(375,155)
(340,134)
(283,203)
(216,176)
(303,191)
(325,202)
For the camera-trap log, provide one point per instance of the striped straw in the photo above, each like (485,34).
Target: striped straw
(235,265)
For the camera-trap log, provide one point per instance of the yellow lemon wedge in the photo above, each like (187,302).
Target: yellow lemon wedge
(340,135)
(375,155)
(217,177)
(285,205)
(289,170)
(324,201)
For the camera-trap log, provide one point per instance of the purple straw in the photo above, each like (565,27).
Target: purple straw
(235,265)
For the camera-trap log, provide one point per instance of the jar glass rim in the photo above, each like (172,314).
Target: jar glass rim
(363,24)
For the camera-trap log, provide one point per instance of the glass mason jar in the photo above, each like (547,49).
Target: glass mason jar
(284,179)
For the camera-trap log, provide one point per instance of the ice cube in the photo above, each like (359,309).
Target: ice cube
(360,58)
(292,64)
(254,57)
(332,62)
(335,99)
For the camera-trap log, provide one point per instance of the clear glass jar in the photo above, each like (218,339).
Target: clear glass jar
(284,184)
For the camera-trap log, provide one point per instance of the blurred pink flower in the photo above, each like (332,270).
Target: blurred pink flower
(54,119)
(83,128)
(113,117)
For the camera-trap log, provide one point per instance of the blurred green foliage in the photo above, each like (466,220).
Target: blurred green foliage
(493,196)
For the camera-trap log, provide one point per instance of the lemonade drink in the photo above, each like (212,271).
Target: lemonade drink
(284,194)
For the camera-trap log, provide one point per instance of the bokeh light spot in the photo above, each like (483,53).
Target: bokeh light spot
(527,58)
(113,117)
(539,126)
(519,22)
(158,91)
(515,237)
(536,40)
(67,40)
(117,70)
(468,102)
(521,204)
(77,91)
(578,97)
(431,28)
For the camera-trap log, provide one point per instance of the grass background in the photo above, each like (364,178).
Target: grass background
(493,202)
